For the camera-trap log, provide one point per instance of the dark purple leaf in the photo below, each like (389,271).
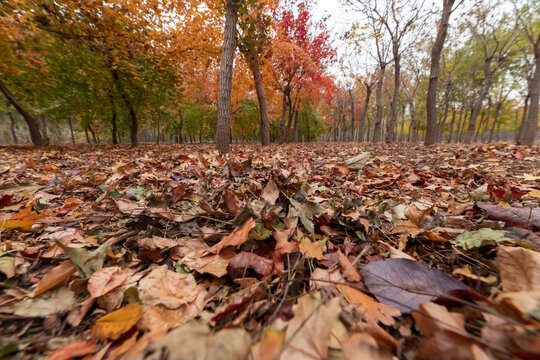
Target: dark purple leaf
(406,284)
(524,217)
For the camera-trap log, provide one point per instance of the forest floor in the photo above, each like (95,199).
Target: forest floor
(301,251)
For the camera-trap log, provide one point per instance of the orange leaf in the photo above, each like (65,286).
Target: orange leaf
(55,277)
(105,280)
(75,349)
(236,238)
(24,219)
(117,323)
(371,308)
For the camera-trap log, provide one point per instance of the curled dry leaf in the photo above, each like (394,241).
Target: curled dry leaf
(104,280)
(363,346)
(270,192)
(234,239)
(245,260)
(57,301)
(168,288)
(55,277)
(269,345)
(117,323)
(74,349)
(23,220)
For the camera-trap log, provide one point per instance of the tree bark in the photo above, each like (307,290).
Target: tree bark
(432,130)
(351,133)
(223,126)
(361,136)
(263,110)
(12,126)
(71,129)
(295,126)
(377,132)
(31,120)
(134,128)
(530,125)
(114,129)
(495,120)
(180,125)
(390,128)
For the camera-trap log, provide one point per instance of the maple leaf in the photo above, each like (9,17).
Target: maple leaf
(24,220)
(234,239)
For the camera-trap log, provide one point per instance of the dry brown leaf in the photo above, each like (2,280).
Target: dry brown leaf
(269,345)
(55,277)
(311,342)
(117,323)
(168,288)
(370,307)
(519,268)
(74,349)
(345,263)
(363,346)
(234,239)
(270,192)
(105,280)
(24,220)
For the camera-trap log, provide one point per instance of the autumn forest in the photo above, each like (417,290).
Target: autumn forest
(269,179)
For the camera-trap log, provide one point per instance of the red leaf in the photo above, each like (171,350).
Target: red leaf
(243,261)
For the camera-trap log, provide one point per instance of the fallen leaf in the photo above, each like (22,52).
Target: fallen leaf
(168,288)
(86,262)
(369,307)
(313,337)
(406,284)
(363,346)
(210,264)
(117,323)
(519,268)
(245,260)
(7,266)
(129,207)
(312,249)
(179,192)
(55,277)
(74,349)
(196,341)
(269,345)
(525,217)
(234,239)
(24,220)
(270,193)
(306,211)
(230,202)
(482,237)
(359,161)
(56,302)
(105,280)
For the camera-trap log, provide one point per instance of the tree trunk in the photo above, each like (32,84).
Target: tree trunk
(414,123)
(263,111)
(180,125)
(390,128)
(134,128)
(31,120)
(486,124)
(351,130)
(12,126)
(432,128)
(295,126)
(528,134)
(86,134)
(71,129)
(93,135)
(283,115)
(361,136)
(440,124)
(460,118)
(495,120)
(377,132)
(482,117)
(478,103)
(223,126)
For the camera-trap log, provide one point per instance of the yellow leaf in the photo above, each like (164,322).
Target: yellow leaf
(534,194)
(313,249)
(24,219)
(115,324)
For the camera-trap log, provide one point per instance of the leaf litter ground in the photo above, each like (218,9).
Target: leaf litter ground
(305,251)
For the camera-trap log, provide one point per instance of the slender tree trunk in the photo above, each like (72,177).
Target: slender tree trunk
(440,124)
(530,126)
(361,136)
(486,124)
(460,118)
(478,103)
(402,124)
(289,122)
(134,128)
(432,128)
(390,128)
(263,111)
(31,120)
(223,126)
(114,130)
(414,123)
(477,133)
(86,134)
(180,125)
(452,123)
(351,134)
(495,120)
(377,132)
(70,119)
(283,134)
(94,138)
(295,126)
(12,126)
(523,118)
